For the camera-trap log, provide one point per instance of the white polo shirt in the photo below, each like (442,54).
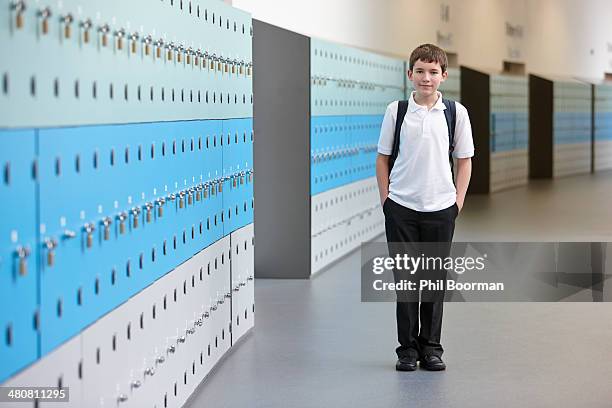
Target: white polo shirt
(421,176)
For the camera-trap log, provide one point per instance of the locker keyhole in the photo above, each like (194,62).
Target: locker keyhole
(9,335)
(5,84)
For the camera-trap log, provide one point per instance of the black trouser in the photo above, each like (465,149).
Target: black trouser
(408,226)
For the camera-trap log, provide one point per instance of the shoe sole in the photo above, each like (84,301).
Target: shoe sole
(429,368)
(405,368)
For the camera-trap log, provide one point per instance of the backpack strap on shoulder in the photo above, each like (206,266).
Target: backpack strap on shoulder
(402,108)
(450,114)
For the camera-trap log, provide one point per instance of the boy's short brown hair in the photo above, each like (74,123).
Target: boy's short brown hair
(429,53)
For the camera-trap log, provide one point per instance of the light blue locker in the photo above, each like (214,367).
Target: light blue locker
(18,285)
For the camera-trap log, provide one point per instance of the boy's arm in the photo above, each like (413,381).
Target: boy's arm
(382,176)
(464,173)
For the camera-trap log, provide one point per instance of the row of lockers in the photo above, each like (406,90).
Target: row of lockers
(105,64)
(343,150)
(335,61)
(350,89)
(126,149)
(343,218)
(157,347)
(117,208)
(522,130)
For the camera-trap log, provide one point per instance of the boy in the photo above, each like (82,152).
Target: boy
(419,198)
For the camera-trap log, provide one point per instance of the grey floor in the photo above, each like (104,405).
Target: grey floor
(316,345)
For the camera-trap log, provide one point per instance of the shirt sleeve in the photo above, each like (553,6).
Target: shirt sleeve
(464,143)
(387,130)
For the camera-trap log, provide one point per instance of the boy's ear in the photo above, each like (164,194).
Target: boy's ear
(444,75)
(409,74)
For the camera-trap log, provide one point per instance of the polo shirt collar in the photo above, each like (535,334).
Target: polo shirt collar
(413,106)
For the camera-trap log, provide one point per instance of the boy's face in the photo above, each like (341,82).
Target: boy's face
(426,77)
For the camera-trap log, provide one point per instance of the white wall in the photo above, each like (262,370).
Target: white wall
(558,35)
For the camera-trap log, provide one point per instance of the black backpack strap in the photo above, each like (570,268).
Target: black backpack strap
(402,108)
(450,114)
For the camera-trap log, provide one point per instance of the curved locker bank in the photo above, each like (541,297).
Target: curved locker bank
(127,234)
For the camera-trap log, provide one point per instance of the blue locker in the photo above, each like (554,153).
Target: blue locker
(18,230)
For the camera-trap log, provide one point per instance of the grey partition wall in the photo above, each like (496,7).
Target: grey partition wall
(561,127)
(475,96)
(540,127)
(318,109)
(498,107)
(281,110)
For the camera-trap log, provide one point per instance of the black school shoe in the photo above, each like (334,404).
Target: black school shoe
(408,363)
(432,363)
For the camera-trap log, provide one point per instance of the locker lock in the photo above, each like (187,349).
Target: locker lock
(136,384)
(190,196)
(120,35)
(213,307)
(179,52)
(250,278)
(67,20)
(171,349)
(44,15)
(181,339)
(169,51)
(206,187)
(104,30)
(220,184)
(159,44)
(121,217)
(221,300)
(50,244)
(241,67)
(23,252)
(234,63)
(199,322)
(249,68)
(206,315)
(228,295)
(188,54)
(220,63)
(197,56)
(135,216)
(160,206)
(190,331)
(242,174)
(205,59)
(134,41)
(234,180)
(18,7)
(149,371)
(242,284)
(147,41)
(89,228)
(237,288)
(122,398)
(106,222)
(181,199)
(213,61)
(69,234)
(198,192)
(149,209)
(226,63)
(160,359)
(85,27)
